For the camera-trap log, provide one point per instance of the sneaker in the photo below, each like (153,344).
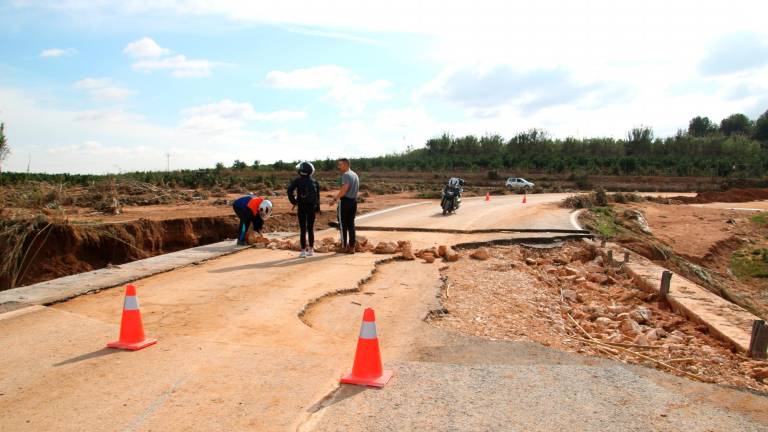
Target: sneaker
(303,254)
(310,252)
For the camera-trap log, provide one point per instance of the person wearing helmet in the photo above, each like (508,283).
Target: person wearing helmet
(251,210)
(304,192)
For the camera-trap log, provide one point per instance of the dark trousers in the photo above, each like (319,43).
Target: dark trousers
(306,215)
(246,219)
(347,213)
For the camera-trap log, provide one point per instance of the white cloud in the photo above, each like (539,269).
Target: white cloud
(94,141)
(341,86)
(145,47)
(103,89)
(57,52)
(152,57)
(227,115)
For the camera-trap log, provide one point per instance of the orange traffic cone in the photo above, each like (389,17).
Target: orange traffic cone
(131,329)
(367,369)
(487,196)
(525,196)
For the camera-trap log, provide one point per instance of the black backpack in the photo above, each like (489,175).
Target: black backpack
(308,191)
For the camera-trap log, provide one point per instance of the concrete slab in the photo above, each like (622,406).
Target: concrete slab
(72,286)
(725,320)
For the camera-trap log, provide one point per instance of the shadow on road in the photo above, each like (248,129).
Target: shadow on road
(99,353)
(288,262)
(338,395)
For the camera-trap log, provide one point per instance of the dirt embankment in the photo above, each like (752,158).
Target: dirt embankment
(730,196)
(51,250)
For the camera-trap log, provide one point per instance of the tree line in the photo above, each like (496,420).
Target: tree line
(736,147)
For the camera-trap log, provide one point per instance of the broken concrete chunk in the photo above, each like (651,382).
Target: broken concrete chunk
(481,254)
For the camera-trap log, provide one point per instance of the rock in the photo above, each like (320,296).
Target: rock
(549,269)
(363,241)
(530,261)
(407,254)
(597,278)
(584,254)
(385,248)
(429,259)
(638,219)
(651,336)
(619,309)
(641,315)
(295,246)
(561,260)
(441,251)
(321,248)
(451,255)
(630,327)
(676,340)
(578,315)
(403,244)
(759,373)
(431,251)
(570,295)
(570,271)
(641,339)
(660,332)
(481,254)
(604,321)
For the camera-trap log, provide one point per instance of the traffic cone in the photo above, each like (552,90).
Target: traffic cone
(487,196)
(367,369)
(131,329)
(525,196)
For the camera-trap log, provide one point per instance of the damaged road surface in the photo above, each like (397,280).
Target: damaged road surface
(258,339)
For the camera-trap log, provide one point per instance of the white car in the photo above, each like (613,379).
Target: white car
(519,183)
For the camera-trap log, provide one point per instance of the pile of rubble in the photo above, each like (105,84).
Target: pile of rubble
(568,299)
(402,247)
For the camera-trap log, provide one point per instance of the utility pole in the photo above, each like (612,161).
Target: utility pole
(167,162)
(29,162)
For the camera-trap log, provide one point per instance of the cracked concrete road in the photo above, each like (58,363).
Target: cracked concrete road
(234,354)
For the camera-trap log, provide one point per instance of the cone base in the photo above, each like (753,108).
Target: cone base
(370,382)
(132,346)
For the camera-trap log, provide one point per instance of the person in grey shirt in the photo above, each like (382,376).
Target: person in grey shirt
(347,210)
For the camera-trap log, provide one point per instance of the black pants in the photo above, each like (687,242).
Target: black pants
(246,219)
(347,213)
(307,225)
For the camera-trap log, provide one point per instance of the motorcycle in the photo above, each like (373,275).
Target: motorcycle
(451,201)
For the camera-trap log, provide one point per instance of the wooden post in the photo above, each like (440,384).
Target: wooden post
(610,258)
(666,278)
(758,345)
(626,257)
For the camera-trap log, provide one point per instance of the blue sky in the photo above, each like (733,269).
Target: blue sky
(101,86)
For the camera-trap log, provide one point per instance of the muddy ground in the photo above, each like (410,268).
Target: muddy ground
(566,299)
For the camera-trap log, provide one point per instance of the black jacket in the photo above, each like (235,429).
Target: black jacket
(305,191)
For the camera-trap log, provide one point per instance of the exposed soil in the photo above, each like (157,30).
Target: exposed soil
(520,293)
(62,249)
(730,196)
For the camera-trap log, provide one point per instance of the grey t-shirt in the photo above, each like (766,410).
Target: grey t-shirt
(350,178)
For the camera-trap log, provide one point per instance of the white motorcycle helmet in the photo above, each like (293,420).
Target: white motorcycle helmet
(265,209)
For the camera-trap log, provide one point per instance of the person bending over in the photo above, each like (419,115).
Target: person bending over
(251,210)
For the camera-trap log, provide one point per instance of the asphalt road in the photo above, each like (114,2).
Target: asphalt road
(235,352)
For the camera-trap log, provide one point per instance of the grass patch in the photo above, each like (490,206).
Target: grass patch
(604,222)
(750,263)
(760,219)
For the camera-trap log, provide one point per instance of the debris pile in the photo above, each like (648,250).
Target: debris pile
(569,299)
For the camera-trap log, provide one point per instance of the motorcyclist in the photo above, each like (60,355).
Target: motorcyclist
(455,187)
